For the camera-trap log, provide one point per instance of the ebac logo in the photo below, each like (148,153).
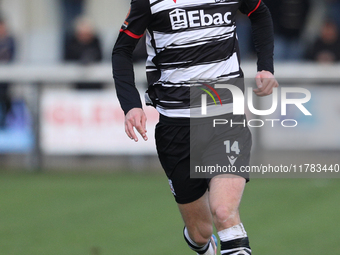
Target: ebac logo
(181,19)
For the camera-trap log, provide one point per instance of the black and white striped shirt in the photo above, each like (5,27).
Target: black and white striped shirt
(189,42)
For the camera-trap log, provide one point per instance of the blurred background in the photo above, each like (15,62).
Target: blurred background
(71,182)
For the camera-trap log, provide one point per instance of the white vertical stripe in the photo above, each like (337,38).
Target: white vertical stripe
(149,49)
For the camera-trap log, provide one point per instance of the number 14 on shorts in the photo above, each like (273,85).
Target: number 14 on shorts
(234,147)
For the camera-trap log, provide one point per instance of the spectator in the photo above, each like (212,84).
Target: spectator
(289,18)
(326,48)
(7,49)
(83,47)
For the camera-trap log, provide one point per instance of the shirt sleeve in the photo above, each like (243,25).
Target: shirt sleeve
(262,32)
(131,31)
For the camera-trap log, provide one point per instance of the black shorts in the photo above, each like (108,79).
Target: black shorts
(219,148)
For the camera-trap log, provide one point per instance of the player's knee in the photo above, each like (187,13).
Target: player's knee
(225,214)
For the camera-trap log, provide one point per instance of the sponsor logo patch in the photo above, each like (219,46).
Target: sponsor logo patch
(181,19)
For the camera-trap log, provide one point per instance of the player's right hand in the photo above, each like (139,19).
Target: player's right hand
(135,118)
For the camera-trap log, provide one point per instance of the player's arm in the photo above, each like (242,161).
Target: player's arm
(126,90)
(122,66)
(263,38)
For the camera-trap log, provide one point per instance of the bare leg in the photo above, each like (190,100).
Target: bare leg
(225,197)
(221,206)
(197,219)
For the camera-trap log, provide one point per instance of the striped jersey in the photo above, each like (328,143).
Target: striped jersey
(189,42)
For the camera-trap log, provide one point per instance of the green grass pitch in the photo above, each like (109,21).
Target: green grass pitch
(99,214)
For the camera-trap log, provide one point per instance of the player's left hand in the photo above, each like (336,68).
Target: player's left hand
(265,82)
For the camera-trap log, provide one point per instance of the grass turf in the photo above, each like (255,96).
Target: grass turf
(99,214)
